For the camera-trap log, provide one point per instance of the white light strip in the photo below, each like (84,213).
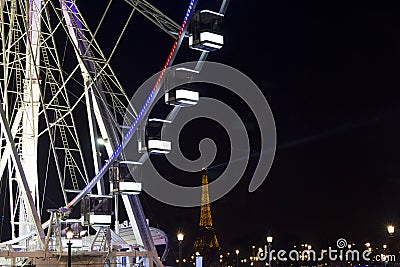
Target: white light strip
(211,37)
(130,162)
(124,127)
(212,45)
(159,120)
(188,70)
(101,196)
(187,102)
(159,151)
(159,144)
(199,49)
(212,12)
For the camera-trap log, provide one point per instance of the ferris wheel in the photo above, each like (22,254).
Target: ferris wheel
(54,95)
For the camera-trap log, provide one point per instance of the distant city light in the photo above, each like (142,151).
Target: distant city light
(390,229)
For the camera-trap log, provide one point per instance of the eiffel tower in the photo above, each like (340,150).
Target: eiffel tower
(206,243)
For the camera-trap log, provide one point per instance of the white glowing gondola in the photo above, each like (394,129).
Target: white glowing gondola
(153,135)
(206,34)
(121,181)
(96,210)
(182,97)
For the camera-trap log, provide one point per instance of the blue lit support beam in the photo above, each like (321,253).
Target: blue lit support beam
(143,111)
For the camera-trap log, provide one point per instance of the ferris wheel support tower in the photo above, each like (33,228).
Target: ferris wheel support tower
(26,119)
(30,117)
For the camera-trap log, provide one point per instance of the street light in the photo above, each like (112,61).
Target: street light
(237,257)
(390,229)
(69,234)
(180,237)
(269,241)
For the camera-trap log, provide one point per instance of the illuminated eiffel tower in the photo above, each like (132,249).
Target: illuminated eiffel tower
(206,241)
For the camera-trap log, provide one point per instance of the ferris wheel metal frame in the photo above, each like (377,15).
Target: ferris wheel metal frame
(34,90)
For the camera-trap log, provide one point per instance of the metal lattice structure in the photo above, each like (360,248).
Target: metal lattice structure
(206,243)
(36,92)
(206,239)
(41,96)
(44,88)
(205,209)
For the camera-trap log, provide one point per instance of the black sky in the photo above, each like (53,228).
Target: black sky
(329,71)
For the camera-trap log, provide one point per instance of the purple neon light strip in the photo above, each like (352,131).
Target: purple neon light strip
(128,135)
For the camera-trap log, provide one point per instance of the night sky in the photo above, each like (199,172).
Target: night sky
(329,71)
(330,74)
